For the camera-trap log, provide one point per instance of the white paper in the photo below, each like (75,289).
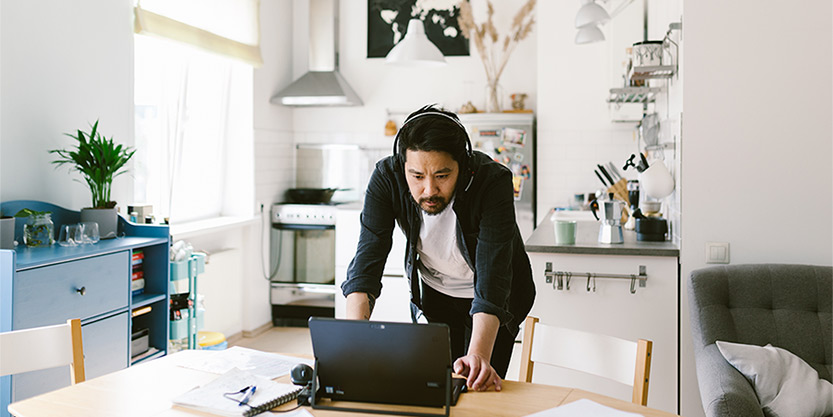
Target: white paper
(268,365)
(583,407)
(301,412)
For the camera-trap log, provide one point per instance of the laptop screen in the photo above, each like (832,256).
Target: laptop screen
(381,362)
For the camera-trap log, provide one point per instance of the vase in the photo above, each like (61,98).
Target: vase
(39,230)
(6,232)
(494,96)
(106,219)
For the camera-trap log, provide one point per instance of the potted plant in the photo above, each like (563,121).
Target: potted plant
(99,160)
(6,231)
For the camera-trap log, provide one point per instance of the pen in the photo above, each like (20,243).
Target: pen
(248,396)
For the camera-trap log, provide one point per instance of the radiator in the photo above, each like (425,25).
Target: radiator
(221,285)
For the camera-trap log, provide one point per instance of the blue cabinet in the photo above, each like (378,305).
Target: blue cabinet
(48,285)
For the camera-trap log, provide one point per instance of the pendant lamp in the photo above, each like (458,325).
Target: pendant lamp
(415,49)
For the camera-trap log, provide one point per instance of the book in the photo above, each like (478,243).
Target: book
(222,395)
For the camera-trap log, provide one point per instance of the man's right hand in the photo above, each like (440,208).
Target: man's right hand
(359,306)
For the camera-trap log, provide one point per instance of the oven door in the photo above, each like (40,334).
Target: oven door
(302,265)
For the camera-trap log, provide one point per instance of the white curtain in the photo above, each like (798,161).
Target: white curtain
(194,132)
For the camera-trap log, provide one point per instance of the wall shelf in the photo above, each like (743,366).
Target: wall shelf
(653,72)
(634,94)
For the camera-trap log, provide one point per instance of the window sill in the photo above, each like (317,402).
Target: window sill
(217,224)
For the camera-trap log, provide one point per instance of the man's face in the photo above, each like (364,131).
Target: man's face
(432,177)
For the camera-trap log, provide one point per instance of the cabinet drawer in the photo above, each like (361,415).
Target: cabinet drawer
(51,294)
(105,351)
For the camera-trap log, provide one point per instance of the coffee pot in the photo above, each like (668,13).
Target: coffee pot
(610,214)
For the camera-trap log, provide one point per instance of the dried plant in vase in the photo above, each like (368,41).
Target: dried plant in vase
(493,52)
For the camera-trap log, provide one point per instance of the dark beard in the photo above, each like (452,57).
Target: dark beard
(433,211)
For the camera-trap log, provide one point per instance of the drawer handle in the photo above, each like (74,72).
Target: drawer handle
(82,290)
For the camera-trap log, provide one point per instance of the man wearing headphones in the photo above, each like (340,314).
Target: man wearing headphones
(465,257)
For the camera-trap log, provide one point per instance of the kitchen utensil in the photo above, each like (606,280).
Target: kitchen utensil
(649,129)
(651,207)
(633,193)
(311,195)
(610,214)
(600,178)
(606,174)
(643,162)
(656,180)
(613,170)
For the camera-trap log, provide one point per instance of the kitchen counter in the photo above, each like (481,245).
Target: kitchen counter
(587,233)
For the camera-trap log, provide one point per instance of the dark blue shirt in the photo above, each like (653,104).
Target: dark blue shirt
(486,231)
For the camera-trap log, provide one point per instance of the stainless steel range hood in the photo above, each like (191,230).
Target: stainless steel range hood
(322,85)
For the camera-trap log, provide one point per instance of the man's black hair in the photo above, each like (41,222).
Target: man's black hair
(433,133)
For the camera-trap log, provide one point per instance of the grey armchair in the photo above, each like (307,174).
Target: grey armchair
(788,306)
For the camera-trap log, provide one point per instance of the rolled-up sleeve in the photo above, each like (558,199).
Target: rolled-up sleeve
(376,230)
(493,258)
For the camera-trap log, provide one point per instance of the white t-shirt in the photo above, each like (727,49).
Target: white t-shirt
(442,265)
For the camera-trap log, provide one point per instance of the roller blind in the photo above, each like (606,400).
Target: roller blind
(226,27)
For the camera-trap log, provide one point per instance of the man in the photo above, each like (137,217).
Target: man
(465,258)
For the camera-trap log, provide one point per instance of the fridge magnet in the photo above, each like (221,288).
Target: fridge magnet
(518,185)
(513,137)
(518,157)
(387,23)
(505,160)
(490,133)
(525,172)
(516,169)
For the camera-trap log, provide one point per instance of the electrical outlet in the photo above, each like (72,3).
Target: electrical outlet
(717,252)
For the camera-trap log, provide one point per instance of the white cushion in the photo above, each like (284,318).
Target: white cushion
(785,384)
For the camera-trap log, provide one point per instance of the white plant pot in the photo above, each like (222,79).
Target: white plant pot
(7,233)
(107,220)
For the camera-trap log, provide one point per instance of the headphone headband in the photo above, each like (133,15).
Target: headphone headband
(433,113)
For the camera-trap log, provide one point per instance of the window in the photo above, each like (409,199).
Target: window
(193,132)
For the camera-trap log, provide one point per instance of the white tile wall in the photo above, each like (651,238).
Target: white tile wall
(274,165)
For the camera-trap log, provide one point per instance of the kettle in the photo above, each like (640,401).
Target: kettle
(610,230)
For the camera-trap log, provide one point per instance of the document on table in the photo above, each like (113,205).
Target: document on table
(583,407)
(268,365)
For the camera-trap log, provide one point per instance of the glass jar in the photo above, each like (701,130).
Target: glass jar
(39,230)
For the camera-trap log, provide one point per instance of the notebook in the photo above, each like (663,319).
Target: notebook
(222,395)
(382,362)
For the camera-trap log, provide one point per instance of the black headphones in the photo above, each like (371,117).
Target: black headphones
(469,150)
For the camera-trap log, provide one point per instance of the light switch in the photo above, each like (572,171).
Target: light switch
(717,252)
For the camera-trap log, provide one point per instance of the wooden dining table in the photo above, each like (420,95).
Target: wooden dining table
(147,389)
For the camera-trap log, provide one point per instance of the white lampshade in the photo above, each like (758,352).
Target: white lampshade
(589,34)
(591,14)
(415,49)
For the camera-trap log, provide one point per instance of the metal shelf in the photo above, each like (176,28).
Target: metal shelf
(634,94)
(653,72)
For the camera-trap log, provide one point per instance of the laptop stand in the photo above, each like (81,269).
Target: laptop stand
(318,406)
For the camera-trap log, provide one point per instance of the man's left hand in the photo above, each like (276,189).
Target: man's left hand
(479,372)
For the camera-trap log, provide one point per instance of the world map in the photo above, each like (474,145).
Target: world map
(387,23)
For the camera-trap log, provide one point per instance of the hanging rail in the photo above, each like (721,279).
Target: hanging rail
(564,277)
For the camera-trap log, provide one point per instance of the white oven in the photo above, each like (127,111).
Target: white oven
(302,262)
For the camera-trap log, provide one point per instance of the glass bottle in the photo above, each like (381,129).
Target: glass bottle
(39,230)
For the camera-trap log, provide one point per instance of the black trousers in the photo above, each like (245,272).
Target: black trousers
(440,308)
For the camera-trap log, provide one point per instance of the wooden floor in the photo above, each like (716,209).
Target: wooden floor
(296,340)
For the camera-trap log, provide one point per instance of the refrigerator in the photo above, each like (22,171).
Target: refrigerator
(509,138)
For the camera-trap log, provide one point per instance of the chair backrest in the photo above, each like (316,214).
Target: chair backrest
(788,306)
(42,348)
(605,356)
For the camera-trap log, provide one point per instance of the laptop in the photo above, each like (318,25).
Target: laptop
(383,362)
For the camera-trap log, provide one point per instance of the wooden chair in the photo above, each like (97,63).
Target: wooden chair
(42,348)
(599,355)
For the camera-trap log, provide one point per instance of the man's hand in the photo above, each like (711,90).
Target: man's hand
(480,374)
(475,365)
(359,306)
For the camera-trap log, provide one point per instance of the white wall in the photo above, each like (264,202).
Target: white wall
(402,90)
(757,138)
(575,128)
(64,65)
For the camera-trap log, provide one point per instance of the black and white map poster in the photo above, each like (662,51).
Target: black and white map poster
(387,22)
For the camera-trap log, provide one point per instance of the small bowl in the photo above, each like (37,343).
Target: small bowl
(650,206)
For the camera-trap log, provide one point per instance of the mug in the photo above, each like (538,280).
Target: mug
(656,181)
(89,233)
(565,232)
